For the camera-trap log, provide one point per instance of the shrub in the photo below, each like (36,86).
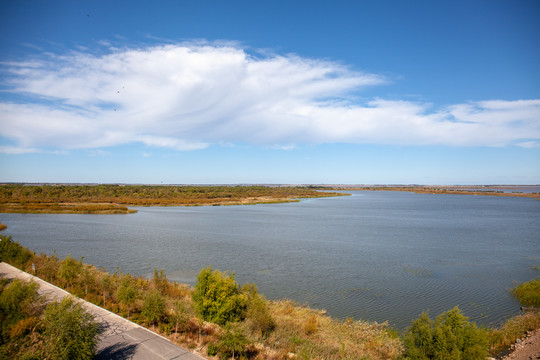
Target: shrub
(450,337)
(69,270)
(23,327)
(69,331)
(19,300)
(153,308)
(212,349)
(217,297)
(258,317)
(127,293)
(232,343)
(179,317)
(13,253)
(528,293)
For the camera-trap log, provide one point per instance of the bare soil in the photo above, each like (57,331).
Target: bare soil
(527,348)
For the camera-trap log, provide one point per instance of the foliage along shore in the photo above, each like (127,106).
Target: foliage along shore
(220,319)
(115,199)
(465,190)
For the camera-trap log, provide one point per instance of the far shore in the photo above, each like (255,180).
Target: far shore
(451,190)
(117,199)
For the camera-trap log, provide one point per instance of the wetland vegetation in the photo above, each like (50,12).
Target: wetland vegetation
(115,199)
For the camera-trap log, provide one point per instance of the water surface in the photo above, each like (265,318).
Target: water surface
(373,255)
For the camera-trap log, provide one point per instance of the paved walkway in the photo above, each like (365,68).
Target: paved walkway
(121,338)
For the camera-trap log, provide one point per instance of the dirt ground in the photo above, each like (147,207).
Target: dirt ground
(527,348)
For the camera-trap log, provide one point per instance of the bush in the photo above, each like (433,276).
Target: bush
(13,253)
(69,331)
(232,343)
(153,308)
(69,270)
(528,293)
(258,315)
(450,337)
(19,300)
(217,297)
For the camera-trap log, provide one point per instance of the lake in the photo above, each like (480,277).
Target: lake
(373,255)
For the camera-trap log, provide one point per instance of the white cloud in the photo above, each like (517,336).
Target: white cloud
(14,150)
(529,144)
(190,96)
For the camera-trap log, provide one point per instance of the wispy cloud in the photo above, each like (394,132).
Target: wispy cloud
(190,96)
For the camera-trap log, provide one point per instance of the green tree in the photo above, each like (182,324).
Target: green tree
(218,298)
(69,331)
(153,308)
(450,337)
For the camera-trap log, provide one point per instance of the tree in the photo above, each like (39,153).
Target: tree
(217,297)
(450,337)
(69,331)
(127,293)
(153,307)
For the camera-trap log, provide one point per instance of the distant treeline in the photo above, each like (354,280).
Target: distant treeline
(115,198)
(420,189)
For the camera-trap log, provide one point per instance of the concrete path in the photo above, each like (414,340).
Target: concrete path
(121,338)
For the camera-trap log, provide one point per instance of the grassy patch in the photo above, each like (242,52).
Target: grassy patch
(528,293)
(515,328)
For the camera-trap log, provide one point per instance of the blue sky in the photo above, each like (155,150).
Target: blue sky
(358,92)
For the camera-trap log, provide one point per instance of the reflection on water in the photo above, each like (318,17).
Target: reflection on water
(374,255)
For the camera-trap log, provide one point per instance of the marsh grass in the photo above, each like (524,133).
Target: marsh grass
(528,293)
(310,334)
(514,328)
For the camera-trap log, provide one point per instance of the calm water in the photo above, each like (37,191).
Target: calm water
(374,255)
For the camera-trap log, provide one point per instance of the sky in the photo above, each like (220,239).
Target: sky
(272,92)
